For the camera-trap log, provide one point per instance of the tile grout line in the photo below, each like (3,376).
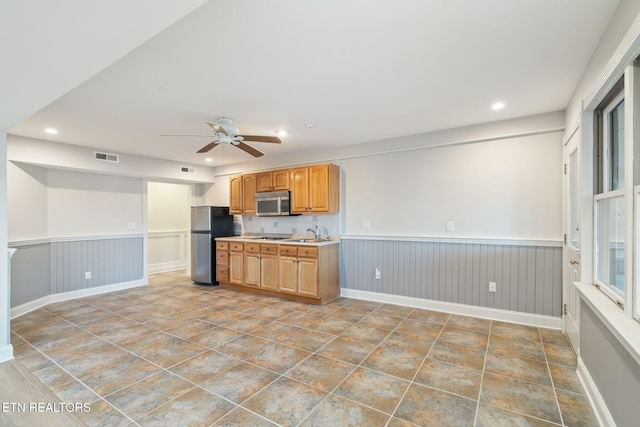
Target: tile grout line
(412,382)
(484,366)
(553,384)
(353,370)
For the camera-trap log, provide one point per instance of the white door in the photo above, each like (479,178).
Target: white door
(571,252)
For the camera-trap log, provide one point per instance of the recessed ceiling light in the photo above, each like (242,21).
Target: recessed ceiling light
(51,131)
(208,159)
(311,125)
(497,106)
(282,133)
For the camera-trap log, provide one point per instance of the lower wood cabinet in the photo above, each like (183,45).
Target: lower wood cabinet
(236,263)
(269,267)
(301,272)
(222,261)
(252,264)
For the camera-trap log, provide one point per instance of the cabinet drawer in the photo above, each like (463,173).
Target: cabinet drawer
(236,247)
(269,249)
(222,257)
(307,252)
(222,273)
(252,247)
(222,246)
(288,250)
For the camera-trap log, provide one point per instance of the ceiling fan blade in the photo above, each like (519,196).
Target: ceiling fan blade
(256,138)
(249,149)
(190,134)
(208,147)
(217,128)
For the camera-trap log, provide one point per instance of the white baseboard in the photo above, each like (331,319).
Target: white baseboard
(6,353)
(165,267)
(528,319)
(597,402)
(81,293)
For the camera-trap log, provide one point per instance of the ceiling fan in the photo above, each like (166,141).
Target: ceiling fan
(225,133)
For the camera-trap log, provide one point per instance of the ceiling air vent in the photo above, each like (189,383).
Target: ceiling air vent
(187,170)
(107,157)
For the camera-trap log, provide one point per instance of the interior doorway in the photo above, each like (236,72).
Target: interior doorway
(168,226)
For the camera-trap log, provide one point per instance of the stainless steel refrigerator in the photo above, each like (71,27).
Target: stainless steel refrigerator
(207,223)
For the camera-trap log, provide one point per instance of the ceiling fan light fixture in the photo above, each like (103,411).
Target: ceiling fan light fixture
(208,159)
(497,106)
(51,131)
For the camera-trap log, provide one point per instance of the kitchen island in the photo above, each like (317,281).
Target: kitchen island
(299,269)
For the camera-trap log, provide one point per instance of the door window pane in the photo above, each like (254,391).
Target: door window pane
(610,243)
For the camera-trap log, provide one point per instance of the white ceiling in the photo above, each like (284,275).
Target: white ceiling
(361,70)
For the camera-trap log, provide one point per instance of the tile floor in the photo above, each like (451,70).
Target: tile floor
(174,353)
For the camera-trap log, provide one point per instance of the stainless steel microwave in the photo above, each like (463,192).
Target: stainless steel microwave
(275,203)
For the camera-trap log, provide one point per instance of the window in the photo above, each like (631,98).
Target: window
(609,203)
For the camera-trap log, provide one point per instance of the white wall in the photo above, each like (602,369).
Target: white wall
(6,350)
(50,203)
(216,194)
(506,189)
(82,204)
(168,206)
(28,209)
(499,180)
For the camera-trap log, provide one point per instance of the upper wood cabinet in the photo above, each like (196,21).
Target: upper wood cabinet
(242,192)
(272,181)
(315,189)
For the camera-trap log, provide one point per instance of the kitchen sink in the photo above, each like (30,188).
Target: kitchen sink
(307,240)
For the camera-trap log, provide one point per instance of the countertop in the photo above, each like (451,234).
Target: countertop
(293,241)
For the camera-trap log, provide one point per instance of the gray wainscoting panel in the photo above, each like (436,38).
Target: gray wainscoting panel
(29,273)
(109,261)
(614,371)
(528,278)
(50,268)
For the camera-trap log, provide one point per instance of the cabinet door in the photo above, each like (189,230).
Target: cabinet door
(308,277)
(252,269)
(319,188)
(249,194)
(235,195)
(288,274)
(264,181)
(236,262)
(280,180)
(269,272)
(299,181)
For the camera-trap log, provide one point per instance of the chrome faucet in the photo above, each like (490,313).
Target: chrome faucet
(316,231)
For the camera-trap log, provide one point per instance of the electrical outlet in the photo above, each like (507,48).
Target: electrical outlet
(87,275)
(366,225)
(131,226)
(492,286)
(378,274)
